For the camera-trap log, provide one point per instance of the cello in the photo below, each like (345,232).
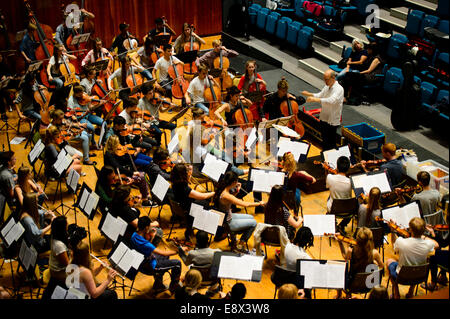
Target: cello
(212,95)
(180,85)
(68,71)
(191,45)
(134,80)
(42,97)
(45,50)
(289,108)
(244,118)
(222,63)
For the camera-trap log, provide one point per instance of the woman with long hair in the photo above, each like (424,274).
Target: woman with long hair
(248,83)
(368,212)
(104,187)
(184,37)
(87,275)
(26,184)
(361,255)
(191,283)
(224,198)
(276,212)
(233,99)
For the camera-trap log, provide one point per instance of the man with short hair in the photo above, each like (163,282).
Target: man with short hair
(331,98)
(162,65)
(412,251)
(393,164)
(209,57)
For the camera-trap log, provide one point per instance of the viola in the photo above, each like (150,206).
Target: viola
(179,85)
(402,232)
(289,108)
(212,96)
(42,97)
(191,45)
(343,239)
(326,167)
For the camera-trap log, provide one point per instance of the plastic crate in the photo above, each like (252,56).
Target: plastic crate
(439,174)
(365,136)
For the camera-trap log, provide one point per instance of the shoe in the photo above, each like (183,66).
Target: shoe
(428,286)
(221,237)
(88,162)
(442,279)
(92,155)
(158,287)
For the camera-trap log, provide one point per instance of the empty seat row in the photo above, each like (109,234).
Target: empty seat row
(417,22)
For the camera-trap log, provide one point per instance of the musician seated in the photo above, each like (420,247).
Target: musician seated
(164,83)
(340,188)
(98,52)
(361,256)
(26,100)
(120,38)
(368,211)
(156,260)
(8,177)
(248,83)
(53,68)
(161,27)
(209,57)
(81,101)
(273,102)
(429,198)
(33,220)
(393,164)
(51,151)
(89,80)
(412,251)
(57,119)
(197,88)
(26,185)
(123,163)
(185,37)
(152,105)
(232,104)
(277,213)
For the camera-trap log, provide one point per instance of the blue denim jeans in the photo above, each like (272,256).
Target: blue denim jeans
(242,223)
(58,82)
(142,160)
(85,137)
(203,107)
(32,114)
(146,74)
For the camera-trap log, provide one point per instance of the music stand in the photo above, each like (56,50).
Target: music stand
(27,259)
(80,38)
(35,153)
(187,57)
(138,88)
(87,203)
(98,66)
(162,39)
(215,266)
(34,66)
(179,115)
(255,96)
(61,165)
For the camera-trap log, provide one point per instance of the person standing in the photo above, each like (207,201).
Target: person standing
(331,98)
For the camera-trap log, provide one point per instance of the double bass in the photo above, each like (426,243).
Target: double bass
(289,108)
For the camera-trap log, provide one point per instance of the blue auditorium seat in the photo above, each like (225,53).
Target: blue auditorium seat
(262,18)
(282,27)
(414,22)
(271,23)
(346,51)
(429,21)
(443,8)
(443,26)
(361,5)
(429,92)
(395,46)
(292,32)
(299,8)
(305,38)
(393,81)
(253,12)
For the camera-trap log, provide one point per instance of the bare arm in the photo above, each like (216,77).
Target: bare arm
(372,67)
(200,196)
(236,201)
(295,223)
(217,113)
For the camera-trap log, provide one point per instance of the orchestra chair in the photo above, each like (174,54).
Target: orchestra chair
(378,239)
(358,284)
(345,208)
(281,275)
(270,237)
(207,280)
(412,276)
(178,214)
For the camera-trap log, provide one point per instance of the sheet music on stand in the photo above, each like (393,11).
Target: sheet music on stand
(11,231)
(252,138)
(300,150)
(62,163)
(80,38)
(34,66)
(112,227)
(173,144)
(320,224)
(331,156)
(27,256)
(286,131)
(160,187)
(208,220)
(125,260)
(60,293)
(37,150)
(239,267)
(402,214)
(326,274)
(72,180)
(214,167)
(102,134)
(87,201)
(162,39)
(363,183)
(282,121)
(264,180)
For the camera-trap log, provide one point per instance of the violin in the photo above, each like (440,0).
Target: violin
(288,108)
(343,239)
(212,95)
(394,227)
(440,227)
(125,149)
(42,97)
(209,123)
(406,189)
(177,242)
(327,167)
(191,45)
(370,163)
(179,85)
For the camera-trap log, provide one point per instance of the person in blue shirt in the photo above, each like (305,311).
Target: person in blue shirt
(156,260)
(28,45)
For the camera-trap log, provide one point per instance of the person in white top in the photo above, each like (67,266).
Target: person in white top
(412,251)
(331,98)
(98,52)
(197,87)
(164,83)
(340,187)
(53,68)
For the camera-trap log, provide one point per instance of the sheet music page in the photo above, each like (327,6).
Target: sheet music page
(220,214)
(276,178)
(331,156)
(393,213)
(320,224)
(127,261)
(196,210)
(137,259)
(89,205)
(358,180)
(261,182)
(233,267)
(286,131)
(110,228)
(121,226)
(173,144)
(410,211)
(253,262)
(160,188)
(22,251)
(16,231)
(73,293)
(84,198)
(74,179)
(27,258)
(118,253)
(59,293)
(379,180)
(58,162)
(335,274)
(306,270)
(251,138)
(32,256)
(8,227)
(102,133)
(296,148)
(255,174)
(214,167)
(283,141)
(207,221)
(94,198)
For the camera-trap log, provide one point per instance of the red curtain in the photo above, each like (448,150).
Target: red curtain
(206,15)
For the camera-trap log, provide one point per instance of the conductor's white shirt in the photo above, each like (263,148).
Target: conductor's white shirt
(331,100)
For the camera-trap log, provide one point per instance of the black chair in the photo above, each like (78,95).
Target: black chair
(205,270)
(412,276)
(345,208)
(359,282)
(270,237)
(378,238)
(281,275)
(178,214)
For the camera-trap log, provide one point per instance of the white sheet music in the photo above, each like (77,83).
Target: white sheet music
(173,144)
(14,234)
(59,293)
(296,148)
(110,227)
(84,198)
(286,131)
(239,267)
(73,293)
(251,139)
(102,134)
(73,178)
(121,226)
(8,227)
(402,215)
(320,224)
(36,151)
(126,261)
(367,182)
(23,250)
(17,140)
(331,156)
(335,274)
(118,253)
(161,187)
(263,181)
(328,275)
(196,210)
(214,167)
(137,259)
(207,221)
